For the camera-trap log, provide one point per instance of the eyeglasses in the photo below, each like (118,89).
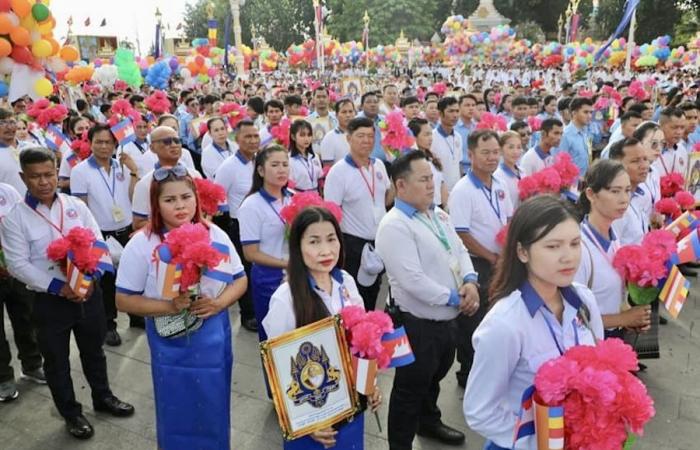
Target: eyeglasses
(162,173)
(8,123)
(656,144)
(169,141)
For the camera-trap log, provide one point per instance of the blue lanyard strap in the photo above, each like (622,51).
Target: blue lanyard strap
(560,348)
(488,194)
(114,177)
(269,203)
(309,166)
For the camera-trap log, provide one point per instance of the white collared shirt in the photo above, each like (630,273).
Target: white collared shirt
(141,201)
(235,175)
(473,212)
(634,224)
(141,153)
(281,319)
(212,158)
(448,148)
(510,179)
(137,268)
(438,181)
(26,235)
(672,160)
(260,223)
(9,197)
(104,191)
(535,160)
(334,146)
(305,171)
(10,169)
(510,345)
(351,188)
(418,266)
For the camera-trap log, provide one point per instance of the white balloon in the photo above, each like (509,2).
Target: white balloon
(185,73)
(35,36)
(106,75)
(13,18)
(56,64)
(6,65)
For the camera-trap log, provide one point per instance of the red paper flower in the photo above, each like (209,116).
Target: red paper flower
(280,132)
(395,135)
(502,236)
(122,109)
(304,111)
(79,241)
(120,85)
(158,102)
(528,187)
(210,194)
(637,265)
(303,200)
(668,207)
(661,241)
(568,171)
(535,123)
(636,90)
(190,247)
(671,183)
(365,331)
(600,395)
(585,93)
(234,112)
(203,128)
(440,88)
(44,112)
(685,199)
(493,122)
(81,147)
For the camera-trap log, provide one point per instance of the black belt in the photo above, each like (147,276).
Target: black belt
(119,232)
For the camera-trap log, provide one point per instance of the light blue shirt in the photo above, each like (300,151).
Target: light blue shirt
(185,134)
(693,138)
(377,150)
(464,130)
(576,142)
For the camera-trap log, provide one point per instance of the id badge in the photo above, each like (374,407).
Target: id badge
(117,213)
(379,212)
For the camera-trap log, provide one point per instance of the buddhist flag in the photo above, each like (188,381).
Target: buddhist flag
(688,249)
(167,274)
(401,352)
(79,282)
(365,371)
(686,221)
(674,292)
(549,425)
(124,132)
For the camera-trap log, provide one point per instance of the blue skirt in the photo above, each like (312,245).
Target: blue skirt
(351,436)
(192,386)
(489,445)
(264,281)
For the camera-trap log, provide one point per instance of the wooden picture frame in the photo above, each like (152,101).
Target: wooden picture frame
(310,375)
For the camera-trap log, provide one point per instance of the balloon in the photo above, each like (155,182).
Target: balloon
(21,7)
(41,48)
(212,71)
(43,87)
(5,47)
(5,5)
(69,53)
(20,36)
(4,89)
(40,12)
(6,24)
(45,27)
(185,73)
(55,46)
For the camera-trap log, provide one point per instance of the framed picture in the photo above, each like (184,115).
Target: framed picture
(692,179)
(310,375)
(352,87)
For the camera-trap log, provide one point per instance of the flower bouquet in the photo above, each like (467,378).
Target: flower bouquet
(81,150)
(80,256)
(212,197)
(493,122)
(158,103)
(234,112)
(122,121)
(45,113)
(396,138)
(303,200)
(181,259)
(280,132)
(556,179)
(604,404)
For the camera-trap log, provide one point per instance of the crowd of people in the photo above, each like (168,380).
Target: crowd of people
(424,219)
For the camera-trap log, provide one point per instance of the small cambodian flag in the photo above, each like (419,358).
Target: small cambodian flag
(688,249)
(124,132)
(525,425)
(224,271)
(401,352)
(55,138)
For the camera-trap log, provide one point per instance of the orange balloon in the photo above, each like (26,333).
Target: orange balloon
(69,53)
(55,46)
(5,47)
(20,36)
(5,24)
(194,69)
(21,7)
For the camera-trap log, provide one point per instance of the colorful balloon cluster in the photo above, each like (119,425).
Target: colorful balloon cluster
(127,68)
(159,74)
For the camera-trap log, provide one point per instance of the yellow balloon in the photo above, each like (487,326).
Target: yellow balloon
(28,22)
(43,87)
(42,48)
(45,27)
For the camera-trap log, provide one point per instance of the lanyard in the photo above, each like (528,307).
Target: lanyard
(663,163)
(591,237)
(639,216)
(435,228)
(488,194)
(269,203)
(451,147)
(114,177)
(371,189)
(309,166)
(554,336)
(141,149)
(59,228)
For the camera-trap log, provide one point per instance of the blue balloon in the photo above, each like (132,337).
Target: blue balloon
(4,89)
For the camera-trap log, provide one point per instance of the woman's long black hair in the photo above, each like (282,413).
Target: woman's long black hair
(308,306)
(533,220)
(598,177)
(296,127)
(260,159)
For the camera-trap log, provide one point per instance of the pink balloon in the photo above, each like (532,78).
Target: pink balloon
(212,71)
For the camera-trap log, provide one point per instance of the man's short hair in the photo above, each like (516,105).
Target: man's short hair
(364,97)
(35,155)
(274,103)
(617,150)
(257,104)
(629,115)
(467,96)
(359,122)
(579,102)
(292,100)
(480,136)
(401,167)
(445,103)
(549,124)
(412,100)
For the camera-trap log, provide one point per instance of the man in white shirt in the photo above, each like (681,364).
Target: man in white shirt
(479,206)
(139,149)
(9,154)
(27,230)
(541,155)
(432,280)
(390,99)
(360,185)
(447,143)
(674,156)
(322,119)
(628,123)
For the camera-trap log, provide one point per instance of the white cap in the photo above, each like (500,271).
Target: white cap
(371,266)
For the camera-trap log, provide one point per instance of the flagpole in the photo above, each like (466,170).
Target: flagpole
(365,19)
(630,43)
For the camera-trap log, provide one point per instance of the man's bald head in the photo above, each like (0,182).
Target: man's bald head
(165,143)
(161,132)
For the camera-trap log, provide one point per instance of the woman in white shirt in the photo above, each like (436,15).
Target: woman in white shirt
(218,150)
(316,288)
(537,313)
(508,171)
(304,164)
(605,199)
(423,133)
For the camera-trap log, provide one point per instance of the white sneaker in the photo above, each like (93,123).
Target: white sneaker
(8,391)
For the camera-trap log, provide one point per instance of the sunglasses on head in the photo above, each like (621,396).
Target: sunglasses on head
(169,140)
(162,173)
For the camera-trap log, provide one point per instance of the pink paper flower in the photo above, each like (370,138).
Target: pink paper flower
(190,246)
(493,122)
(210,195)
(668,207)
(685,200)
(235,113)
(280,132)
(158,102)
(672,183)
(395,135)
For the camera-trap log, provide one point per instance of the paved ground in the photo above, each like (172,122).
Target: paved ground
(31,422)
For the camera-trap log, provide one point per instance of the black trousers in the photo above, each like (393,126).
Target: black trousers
(56,317)
(467,325)
(19,303)
(232,228)
(353,245)
(108,280)
(416,387)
